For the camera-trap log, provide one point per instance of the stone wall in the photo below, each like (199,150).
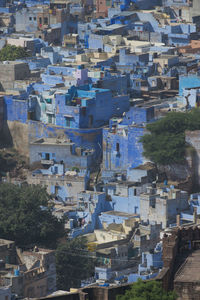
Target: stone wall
(12,71)
(193,139)
(19,135)
(16,134)
(177,245)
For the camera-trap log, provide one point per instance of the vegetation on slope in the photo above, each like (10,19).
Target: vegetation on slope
(26,216)
(165,144)
(73,263)
(10,52)
(149,290)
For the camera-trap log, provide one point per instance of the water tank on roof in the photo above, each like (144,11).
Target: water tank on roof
(165,182)
(16,272)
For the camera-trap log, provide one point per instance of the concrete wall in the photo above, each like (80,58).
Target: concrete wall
(14,71)
(26,20)
(162,208)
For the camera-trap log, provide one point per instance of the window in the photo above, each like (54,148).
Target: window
(50,119)
(45,21)
(30,18)
(35,18)
(40,21)
(135,192)
(56,189)
(47,156)
(153,203)
(83,110)
(117,147)
(67,121)
(49,101)
(90,120)
(153,83)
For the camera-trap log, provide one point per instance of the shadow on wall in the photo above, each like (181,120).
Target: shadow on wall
(6,139)
(195,168)
(5,135)
(15,134)
(1,88)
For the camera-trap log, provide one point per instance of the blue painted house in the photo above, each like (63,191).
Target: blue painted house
(90,205)
(122,148)
(88,107)
(188,81)
(19,108)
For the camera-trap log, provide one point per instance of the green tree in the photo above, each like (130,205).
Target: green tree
(11,52)
(165,143)
(73,263)
(149,290)
(26,216)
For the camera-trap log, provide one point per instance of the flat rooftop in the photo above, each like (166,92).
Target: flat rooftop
(5,242)
(166,56)
(111,27)
(91,193)
(120,214)
(146,166)
(6,62)
(189,271)
(51,141)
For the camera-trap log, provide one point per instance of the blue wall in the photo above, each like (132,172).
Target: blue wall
(126,58)
(88,107)
(111,218)
(15,109)
(189,81)
(130,204)
(130,148)
(138,115)
(87,138)
(92,218)
(2,3)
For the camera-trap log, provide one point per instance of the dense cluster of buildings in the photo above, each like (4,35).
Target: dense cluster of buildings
(97,73)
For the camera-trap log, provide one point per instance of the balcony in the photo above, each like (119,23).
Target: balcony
(47,162)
